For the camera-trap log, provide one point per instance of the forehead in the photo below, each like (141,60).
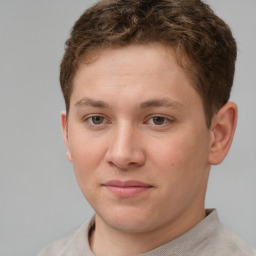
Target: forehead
(136,71)
(154,59)
(126,55)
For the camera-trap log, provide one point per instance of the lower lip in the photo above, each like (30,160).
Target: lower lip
(127,191)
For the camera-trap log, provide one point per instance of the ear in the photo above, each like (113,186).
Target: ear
(64,126)
(222,132)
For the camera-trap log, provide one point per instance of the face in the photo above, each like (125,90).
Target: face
(136,134)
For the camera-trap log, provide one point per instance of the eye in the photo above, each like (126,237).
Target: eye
(159,120)
(96,120)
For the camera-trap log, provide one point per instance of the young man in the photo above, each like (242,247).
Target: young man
(146,85)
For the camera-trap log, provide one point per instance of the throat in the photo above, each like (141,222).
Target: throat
(106,241)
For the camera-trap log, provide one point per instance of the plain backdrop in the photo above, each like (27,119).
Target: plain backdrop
(39,198)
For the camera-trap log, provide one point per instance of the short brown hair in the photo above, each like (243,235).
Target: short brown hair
(199,37)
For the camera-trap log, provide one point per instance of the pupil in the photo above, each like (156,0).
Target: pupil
(158,120)
(97,119)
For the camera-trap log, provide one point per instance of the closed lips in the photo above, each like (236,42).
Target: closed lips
(128,183)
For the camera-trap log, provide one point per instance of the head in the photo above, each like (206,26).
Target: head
(146,85)
(203,43)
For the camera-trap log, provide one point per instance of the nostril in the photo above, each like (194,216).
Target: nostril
(111,163)
(122,165)
(131,163)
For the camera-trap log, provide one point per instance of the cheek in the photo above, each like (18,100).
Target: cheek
(86,158)
(182,156)
(87,154)
(181,171)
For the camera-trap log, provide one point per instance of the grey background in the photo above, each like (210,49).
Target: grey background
(39,198)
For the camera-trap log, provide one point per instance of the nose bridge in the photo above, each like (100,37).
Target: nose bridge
(125,148)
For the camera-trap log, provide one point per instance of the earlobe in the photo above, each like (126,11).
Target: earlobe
(65,133)
(222,132)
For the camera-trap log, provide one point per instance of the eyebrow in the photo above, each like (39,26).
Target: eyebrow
(162,102)
(91,102)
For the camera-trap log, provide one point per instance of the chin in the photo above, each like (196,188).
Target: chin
(127,221)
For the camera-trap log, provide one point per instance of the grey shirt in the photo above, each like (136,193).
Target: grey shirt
(208,238)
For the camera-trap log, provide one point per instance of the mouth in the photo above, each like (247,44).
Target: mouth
(129,188)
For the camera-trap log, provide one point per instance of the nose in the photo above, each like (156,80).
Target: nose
(125,148)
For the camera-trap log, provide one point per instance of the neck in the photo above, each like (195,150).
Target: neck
(107,241)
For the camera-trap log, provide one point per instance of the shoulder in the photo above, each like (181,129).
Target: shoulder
(224,242)
(73,243)
(218,240)
(56,247)
(230,243)
(210,237)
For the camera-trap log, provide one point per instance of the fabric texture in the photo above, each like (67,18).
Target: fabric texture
(209,237)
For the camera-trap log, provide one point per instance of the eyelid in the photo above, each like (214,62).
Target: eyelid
(168,119)
(88,117)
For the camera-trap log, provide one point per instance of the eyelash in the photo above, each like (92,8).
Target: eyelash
(165,120)
(90,120)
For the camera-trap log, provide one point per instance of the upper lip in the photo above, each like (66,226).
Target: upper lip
(127,183)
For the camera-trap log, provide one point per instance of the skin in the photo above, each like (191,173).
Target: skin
(134,115)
